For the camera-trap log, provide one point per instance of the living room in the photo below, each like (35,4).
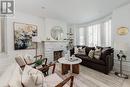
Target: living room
(84,42)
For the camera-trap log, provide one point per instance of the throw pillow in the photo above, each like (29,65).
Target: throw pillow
(82,51)
(75,50)
(97,53)
(91,53)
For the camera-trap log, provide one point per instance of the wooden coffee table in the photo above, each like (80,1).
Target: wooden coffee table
(67,65)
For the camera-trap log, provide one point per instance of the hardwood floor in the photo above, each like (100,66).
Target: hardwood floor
(126,83)
(91,78)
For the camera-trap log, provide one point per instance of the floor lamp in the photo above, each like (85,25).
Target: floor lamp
(36,40)
(121,56)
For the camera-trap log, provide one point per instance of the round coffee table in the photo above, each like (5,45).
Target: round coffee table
(67,65)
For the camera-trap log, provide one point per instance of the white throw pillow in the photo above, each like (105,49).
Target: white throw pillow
(97,53)
(76,50)
(91,53)
(80,50)
(15,80)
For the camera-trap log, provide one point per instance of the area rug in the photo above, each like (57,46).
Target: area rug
(91,78)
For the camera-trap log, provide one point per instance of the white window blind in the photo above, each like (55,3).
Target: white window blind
(94,35)
(107,27)
(81,36)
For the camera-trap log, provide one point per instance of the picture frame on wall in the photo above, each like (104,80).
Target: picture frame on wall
(23,34)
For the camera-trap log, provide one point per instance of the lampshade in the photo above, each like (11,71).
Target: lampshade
(36,39)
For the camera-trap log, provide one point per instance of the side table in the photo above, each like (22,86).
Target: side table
(67,65)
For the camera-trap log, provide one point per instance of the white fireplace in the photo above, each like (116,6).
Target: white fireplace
(50,46)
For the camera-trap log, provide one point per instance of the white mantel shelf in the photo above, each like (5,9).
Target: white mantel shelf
(55,41)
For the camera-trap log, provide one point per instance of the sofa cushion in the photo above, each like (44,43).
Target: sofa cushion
(106,52)
(88,59)
(80,55)
(97,61)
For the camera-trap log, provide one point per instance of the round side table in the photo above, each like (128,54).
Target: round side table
(67,65)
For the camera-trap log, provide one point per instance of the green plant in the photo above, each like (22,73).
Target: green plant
(38,62)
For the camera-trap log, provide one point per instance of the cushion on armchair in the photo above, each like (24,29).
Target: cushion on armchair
(20,60)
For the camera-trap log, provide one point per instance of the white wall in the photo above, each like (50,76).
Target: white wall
(22,18)
(50,23)
(121,17)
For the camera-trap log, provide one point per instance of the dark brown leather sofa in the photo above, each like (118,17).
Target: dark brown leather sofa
(104,64)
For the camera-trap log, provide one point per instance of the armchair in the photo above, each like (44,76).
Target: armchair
(55,77)
(53,80)
(28,61)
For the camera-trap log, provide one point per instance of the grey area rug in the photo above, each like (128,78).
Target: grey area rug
(91,78)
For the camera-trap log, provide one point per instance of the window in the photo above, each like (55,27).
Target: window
(94,35)
(107,27)
(98,34)
(81,36)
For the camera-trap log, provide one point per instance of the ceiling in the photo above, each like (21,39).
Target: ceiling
(70,11)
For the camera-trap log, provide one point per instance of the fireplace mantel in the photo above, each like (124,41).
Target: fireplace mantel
(55,41)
